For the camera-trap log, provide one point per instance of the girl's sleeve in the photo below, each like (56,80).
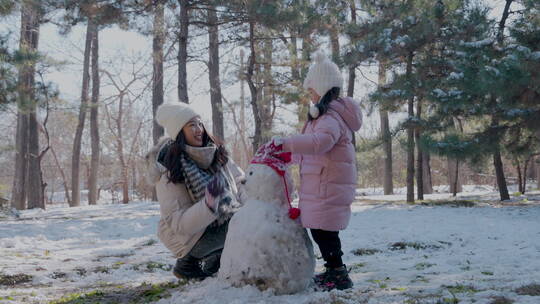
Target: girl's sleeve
(324,137)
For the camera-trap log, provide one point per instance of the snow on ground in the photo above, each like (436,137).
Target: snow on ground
(404,254)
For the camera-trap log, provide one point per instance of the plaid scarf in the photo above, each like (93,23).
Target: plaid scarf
(196,178)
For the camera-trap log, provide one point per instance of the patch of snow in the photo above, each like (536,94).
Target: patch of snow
(492,69)
(439,93)
(455,76)
(478,44)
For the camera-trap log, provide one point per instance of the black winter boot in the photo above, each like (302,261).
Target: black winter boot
(334,278)
(188,267)
(210,264)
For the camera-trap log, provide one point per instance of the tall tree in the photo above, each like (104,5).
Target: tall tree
(410,132)
(538,172)
(94,123)
(388,185)
(27,182)
(77,140)
(182,57)
(419,153)
(213,73)
(158,32)
(352,68)
(497,160)
(158,41)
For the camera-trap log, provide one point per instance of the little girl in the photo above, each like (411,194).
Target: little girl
(327,160)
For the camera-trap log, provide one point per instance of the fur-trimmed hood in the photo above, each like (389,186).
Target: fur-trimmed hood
(154,170)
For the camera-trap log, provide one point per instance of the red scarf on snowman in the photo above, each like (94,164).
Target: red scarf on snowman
(273,156)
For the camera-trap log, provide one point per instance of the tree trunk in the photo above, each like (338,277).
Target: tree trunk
(120,149)
(420,155)
(94,123)
(454,180)
(410,137)
(307,48)
(502,22)
(352,79)
(35,187)
(352,68)
(386,139)
(257,136)
(525,169)
(75,160)
(497,161)
(296,75)
(213,72)
(295,67)
(267,104)
(157,61)
(182,51)
(520,177)
(63,175)
(499,173)
(27,183)
(125,185)
(426,178)
(538,173)
(18,195)
(334,42)
(157,73)
(247,157)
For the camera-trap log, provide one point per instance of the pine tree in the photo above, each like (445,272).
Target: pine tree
(399,34)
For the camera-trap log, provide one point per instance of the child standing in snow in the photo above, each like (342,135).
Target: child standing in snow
(327,161)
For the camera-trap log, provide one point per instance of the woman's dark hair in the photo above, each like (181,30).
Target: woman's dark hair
(324,103)
(170,156)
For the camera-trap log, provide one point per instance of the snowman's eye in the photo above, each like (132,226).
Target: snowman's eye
(251,173)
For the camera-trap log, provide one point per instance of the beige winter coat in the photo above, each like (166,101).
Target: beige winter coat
(182,221)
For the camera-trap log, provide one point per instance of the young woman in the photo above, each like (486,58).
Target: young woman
(327,160)
(193,223)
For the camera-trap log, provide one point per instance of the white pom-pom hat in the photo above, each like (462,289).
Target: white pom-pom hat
(323,75)
(174,116)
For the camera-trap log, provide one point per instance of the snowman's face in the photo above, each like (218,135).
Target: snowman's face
(262,182)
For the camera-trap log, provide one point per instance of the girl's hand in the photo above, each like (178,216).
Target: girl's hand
(277,141)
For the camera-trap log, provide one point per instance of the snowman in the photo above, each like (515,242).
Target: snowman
(266,245)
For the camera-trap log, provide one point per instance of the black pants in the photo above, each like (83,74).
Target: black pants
(204,258)
(212,240)
(329,245)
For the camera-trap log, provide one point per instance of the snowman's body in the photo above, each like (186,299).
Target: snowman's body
(264,247)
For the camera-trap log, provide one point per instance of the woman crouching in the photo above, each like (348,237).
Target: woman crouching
(197,189)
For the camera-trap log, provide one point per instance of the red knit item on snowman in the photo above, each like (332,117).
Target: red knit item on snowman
(274,157)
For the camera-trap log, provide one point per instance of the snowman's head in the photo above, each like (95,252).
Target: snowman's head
(265,184)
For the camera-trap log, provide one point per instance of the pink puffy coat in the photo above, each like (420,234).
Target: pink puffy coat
(327,159)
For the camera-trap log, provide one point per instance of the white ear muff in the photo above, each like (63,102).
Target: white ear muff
(314,111)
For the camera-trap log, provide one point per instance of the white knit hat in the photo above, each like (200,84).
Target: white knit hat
(323,75)
(174,116)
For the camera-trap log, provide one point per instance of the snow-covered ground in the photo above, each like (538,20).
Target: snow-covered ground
(404,254)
